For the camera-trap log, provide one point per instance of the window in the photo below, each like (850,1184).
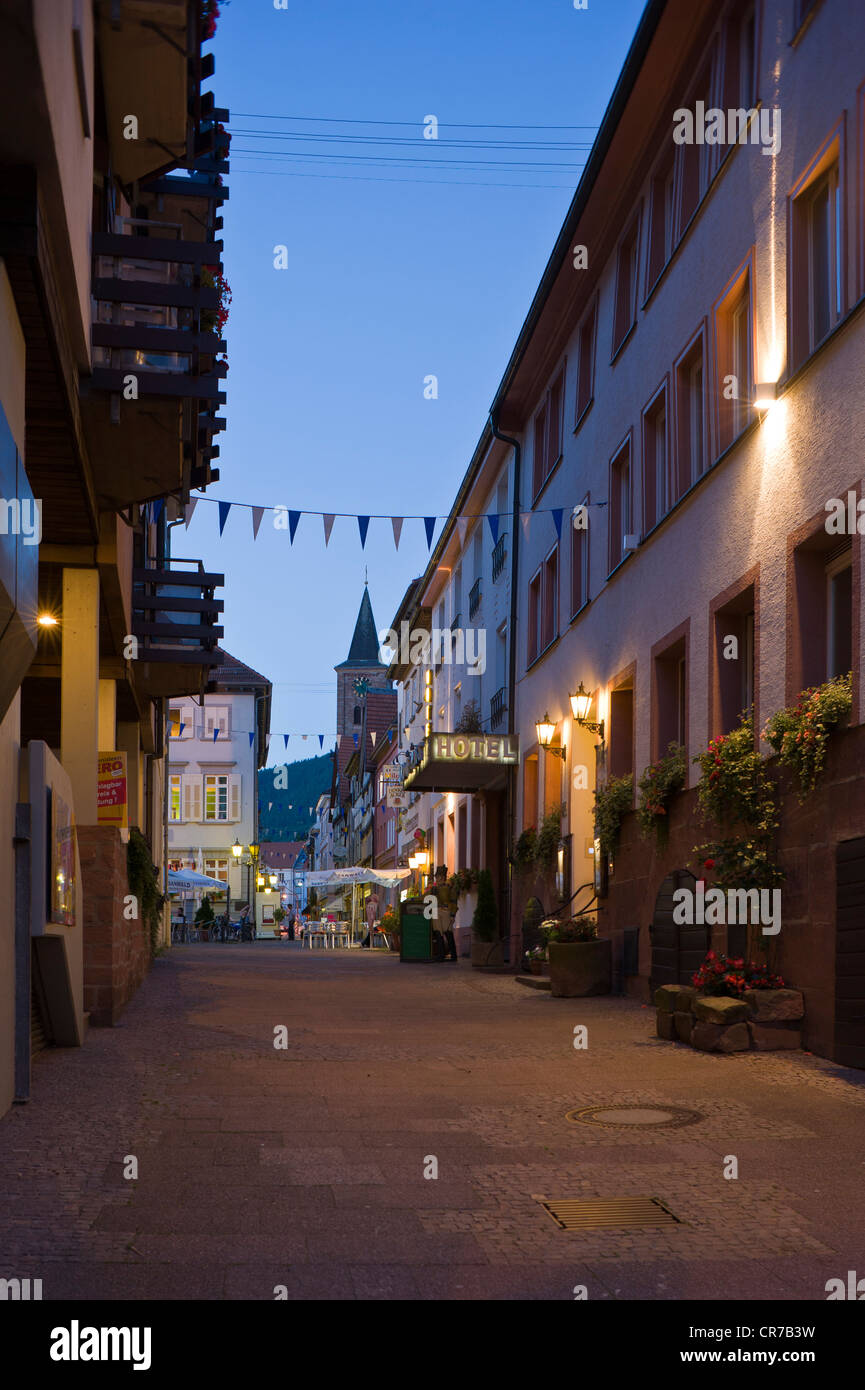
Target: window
(579,565)
(543,615)
(620,504)
(740,58)
(534,618)
(191,789)
(839,614)
(221,797)
(694,159)
(735,384)
(586,364)
(817,295)
(626,286)
(356,715)
(550,607)
(821,641)
(661,234)
(547,449)
(390,833)
(621,756)
(216,721)
(530,791)
(670,724)
(656,479)
(180,722)
(216,868)
(175,804)
(691,418)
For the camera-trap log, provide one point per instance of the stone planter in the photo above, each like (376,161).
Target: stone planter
(768,1020)
(580,968)
(536,967)
(486,953)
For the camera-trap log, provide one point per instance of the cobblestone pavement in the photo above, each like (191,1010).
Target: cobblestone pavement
(303,1165)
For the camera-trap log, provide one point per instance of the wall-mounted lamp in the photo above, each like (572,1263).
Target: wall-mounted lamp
(46,620)
(237,849)
(765,395)
(545,729)
(581,703)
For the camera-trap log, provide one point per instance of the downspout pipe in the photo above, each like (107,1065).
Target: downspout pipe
(512,653)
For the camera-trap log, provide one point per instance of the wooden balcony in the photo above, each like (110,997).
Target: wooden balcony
(174,618)
(156,381)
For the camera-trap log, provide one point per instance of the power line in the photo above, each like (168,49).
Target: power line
(543,167)
(373,178)
(554,145)
(352,120)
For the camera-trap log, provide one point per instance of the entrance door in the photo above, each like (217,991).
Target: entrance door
(677,951)
(850,953)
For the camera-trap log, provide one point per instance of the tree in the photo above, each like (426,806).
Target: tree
(204,914)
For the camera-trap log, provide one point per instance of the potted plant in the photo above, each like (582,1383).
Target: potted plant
(279,918)
(486,943)
(580,961)
(537,956)
(390,924)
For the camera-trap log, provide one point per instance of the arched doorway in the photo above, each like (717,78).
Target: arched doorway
(677,950)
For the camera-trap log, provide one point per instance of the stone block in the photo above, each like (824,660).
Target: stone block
(735,1038)
(684,1002)
(665,998)
(665,1025)
(683,1024)
(718,1008)
(775,1005)
(775,1036)
(706,1036)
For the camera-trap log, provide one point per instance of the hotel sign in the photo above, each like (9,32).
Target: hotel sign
(473,748)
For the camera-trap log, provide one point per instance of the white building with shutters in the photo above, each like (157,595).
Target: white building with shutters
(216,746)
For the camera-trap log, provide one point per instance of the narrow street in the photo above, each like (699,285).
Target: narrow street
(303,1166)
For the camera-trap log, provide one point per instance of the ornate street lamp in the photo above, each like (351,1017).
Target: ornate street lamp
(545,730)
(581,703)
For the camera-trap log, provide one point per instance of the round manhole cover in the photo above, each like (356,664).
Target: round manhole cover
(634,1116)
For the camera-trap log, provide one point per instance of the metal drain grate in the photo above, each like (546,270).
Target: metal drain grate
(596,1213)
(634,1116)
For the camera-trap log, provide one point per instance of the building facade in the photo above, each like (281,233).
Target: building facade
(110,382)
(216,747)
(684,398)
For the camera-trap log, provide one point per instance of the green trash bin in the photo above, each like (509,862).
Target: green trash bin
(416,934)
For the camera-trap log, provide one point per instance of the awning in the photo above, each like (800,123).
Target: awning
(180,881)
(385,878)
(463,762)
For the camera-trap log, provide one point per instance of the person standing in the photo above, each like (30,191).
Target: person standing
(443,921)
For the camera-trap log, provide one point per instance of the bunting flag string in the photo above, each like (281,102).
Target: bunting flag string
(293,516)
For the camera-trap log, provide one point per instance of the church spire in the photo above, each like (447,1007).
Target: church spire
(364,649)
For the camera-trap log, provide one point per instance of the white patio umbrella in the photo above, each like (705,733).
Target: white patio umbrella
(185,881)
(385,878)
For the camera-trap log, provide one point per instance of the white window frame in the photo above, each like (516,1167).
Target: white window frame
(217,715)
(833,569)
(175,779)
(833,251)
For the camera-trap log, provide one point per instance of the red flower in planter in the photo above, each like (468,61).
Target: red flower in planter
(708,863)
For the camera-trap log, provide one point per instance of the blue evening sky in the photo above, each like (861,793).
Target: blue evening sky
(395,271)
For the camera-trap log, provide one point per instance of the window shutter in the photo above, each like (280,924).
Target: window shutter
(234,803)
(191,799)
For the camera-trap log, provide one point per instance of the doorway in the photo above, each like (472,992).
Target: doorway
(677,950)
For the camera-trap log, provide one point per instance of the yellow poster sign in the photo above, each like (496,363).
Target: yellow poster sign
(111,798)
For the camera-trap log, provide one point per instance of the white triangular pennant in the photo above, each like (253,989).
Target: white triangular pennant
(396,523)
(257,514)
(525,518)
(462,527)
(328,519)
(373,736)
(188,510)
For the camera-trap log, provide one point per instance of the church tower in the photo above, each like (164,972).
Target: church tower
(361,671)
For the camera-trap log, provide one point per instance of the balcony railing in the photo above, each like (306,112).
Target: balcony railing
(497,708)
(500,554)
(156,313)
(474,598)
(174,614)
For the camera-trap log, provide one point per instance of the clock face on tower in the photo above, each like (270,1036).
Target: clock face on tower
(361,685)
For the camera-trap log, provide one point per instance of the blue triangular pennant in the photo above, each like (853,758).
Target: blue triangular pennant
(285,738)
(558,513)
(430,524)
(354,736)
(180,731)
(252,738)
(293,519)
(493,519)
(216,733)
(224,509)
(157,506)
(363,527)
(320,739)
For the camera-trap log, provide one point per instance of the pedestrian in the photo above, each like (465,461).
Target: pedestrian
(245,929)
(445,947)
(291,925)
